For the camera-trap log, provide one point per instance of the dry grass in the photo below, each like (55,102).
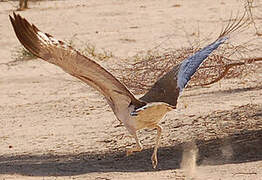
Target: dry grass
(90,50)
(20,54)
(226,62)
(142,70)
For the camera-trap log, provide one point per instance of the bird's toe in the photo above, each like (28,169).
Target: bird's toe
(154,161)
(128,152)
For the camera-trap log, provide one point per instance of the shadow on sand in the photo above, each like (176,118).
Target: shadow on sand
(244,147)
(233,90)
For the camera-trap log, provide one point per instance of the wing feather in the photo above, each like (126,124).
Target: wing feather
(46,47)
(168,88)
(190,65)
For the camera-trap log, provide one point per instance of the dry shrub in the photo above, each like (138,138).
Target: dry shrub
(226,62)
(19,55)
(254,8)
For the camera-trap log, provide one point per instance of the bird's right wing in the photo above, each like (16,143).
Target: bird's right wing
(168,88)
(71,61)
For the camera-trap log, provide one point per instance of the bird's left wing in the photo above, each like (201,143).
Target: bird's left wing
(168,88)
(71,61)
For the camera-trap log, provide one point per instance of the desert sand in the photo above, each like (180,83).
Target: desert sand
(55,127)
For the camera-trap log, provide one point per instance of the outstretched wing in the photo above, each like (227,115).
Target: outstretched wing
(190,65)
(168,88)
(71,61)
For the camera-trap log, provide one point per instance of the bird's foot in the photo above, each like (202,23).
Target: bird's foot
(130,151)
(119,125)
(154,160)
(120,136)
(20,9)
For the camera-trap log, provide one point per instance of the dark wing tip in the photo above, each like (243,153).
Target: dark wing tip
(26,33)
(11,18)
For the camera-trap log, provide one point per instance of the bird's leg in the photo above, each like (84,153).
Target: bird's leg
(21,5)
(120,124)
(26,4)
(154,155)
(138,147)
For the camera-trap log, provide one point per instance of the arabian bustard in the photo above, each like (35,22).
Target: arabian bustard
(134,113)
(23,4)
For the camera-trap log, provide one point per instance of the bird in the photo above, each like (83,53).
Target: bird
(23,4)
(135,113)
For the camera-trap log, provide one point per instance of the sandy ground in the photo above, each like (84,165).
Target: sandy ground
(53,127)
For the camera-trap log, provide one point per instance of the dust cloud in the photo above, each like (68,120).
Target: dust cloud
(188,163)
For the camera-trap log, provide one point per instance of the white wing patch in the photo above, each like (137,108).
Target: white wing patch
(147,106)
(43,37)
(48,40)
(54,41)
